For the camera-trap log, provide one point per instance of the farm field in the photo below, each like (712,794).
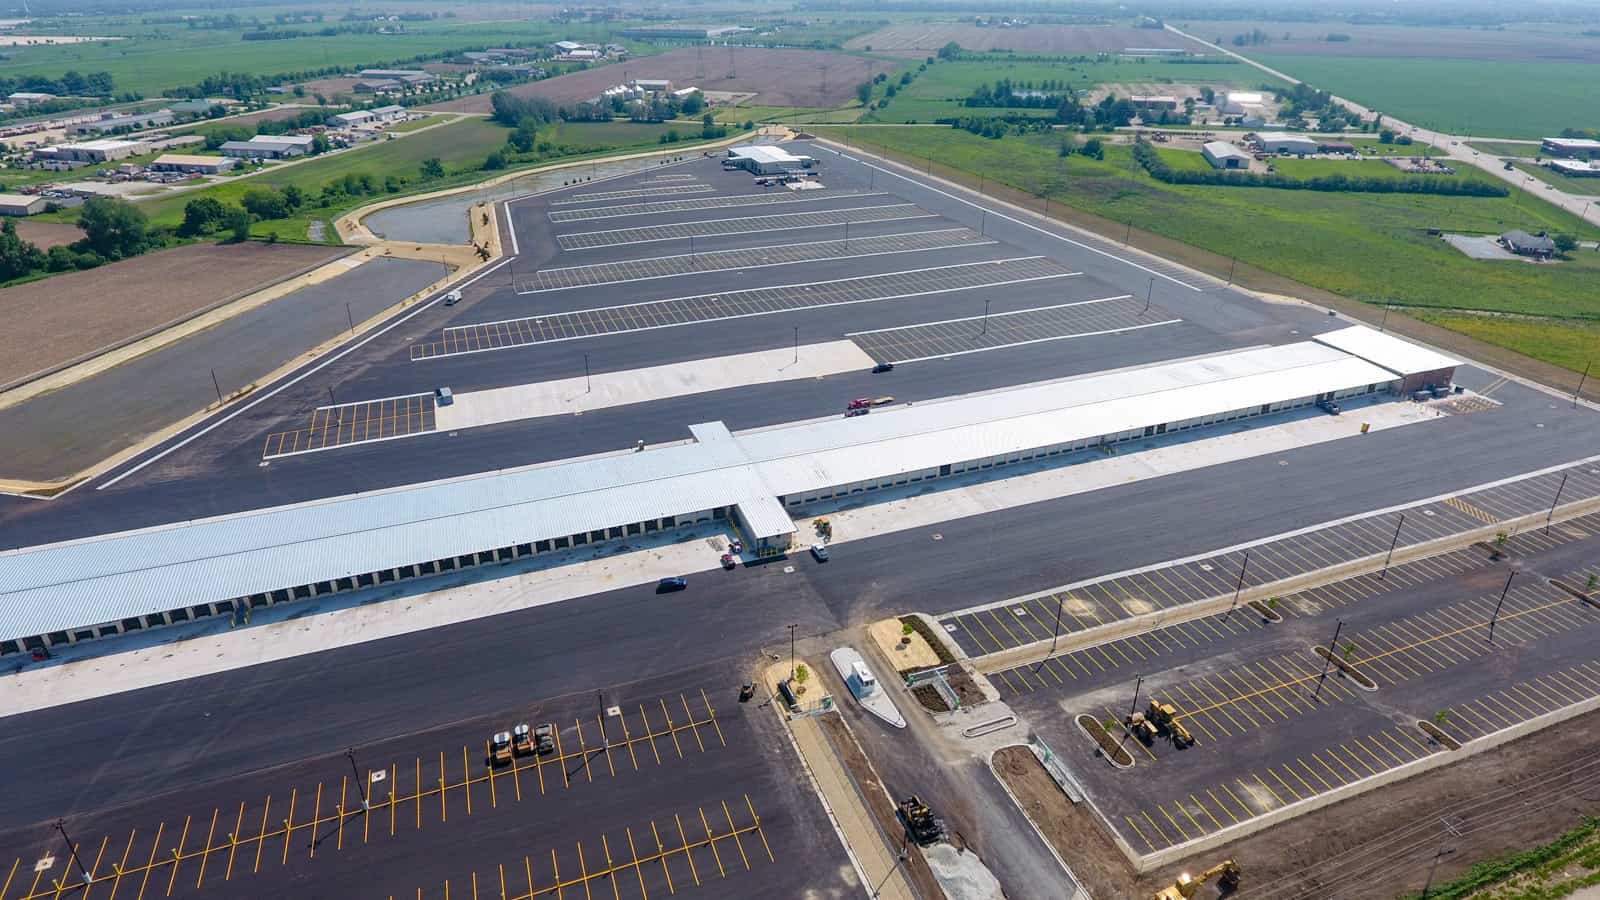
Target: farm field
(938,91)
(1064,40)
(1456,95)
(1371,247)
(76,313)
(1517,43)
(776,77)
(151,62)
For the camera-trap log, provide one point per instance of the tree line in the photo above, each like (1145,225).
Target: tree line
(1147,156)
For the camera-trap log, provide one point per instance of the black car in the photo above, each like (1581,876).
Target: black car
(668,585)
(882,367)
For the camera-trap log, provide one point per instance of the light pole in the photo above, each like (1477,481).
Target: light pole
(72,851)
(1552,515)
(1243,567)
(1392,544)
(1328,660)
(366,784)
(1139,683)
(791,650)
(1581,380)
(1496,617)
(1056,631)
(797,344)
(1149,292)
(1385,321)
(986,302)
(587,387)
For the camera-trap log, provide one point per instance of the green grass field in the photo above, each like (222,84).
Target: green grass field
(1354,168)
(460,146)
(1559,181)
(938,92)
(1570,343)
(1372,247)
(1501,148)
(1460,96)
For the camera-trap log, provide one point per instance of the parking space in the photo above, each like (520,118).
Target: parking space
(974,334)
(585,323)
(886,212)
(355,423)
(665,190)
(996,627)
(725,201)
(655,795)
(747,258)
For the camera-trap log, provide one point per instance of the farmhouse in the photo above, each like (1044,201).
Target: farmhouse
(1522,243)
(1223,155)
(1570,146)
(1278,142)
(182,162)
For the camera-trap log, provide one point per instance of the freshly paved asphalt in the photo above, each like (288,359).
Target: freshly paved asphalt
(228,725)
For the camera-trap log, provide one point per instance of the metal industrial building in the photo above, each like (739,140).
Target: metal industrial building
(766,159)
(100,586)
(1223,155)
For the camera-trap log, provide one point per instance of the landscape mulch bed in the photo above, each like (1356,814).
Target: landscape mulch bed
(1438,734)
(1360,828)
(855,760)
(1348,670)
(63,317)
(776,77)
(1110,746)
(1264,611)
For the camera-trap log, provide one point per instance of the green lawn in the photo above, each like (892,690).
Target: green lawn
(1184,160)
(461,147)
(1501,148)
(1353,168)
(1460,96)
(414,124)
(938,92)
(1582,186)
(1372,247)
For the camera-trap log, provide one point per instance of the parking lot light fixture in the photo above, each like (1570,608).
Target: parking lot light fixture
(366,783)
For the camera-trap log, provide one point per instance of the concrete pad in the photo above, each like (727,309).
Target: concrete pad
(606,389)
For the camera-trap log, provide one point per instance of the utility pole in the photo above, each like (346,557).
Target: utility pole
(1233,261)
(1392,545)
(1328,660)
(1127,238)
(1496,617)
(1384,322)
(72,851)
(1245,566)
(1552,515)
(791,650)
(1449,832)
(366,783)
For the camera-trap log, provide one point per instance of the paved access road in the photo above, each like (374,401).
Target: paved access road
(663,787)
(1469,644)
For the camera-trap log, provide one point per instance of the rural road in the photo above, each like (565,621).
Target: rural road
(1454,146)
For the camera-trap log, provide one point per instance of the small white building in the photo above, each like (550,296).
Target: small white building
(1223,155)
(28,98)
(1278,142)
(766,159)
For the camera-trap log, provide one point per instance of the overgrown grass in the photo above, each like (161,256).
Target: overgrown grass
(1460,96)
(1569,343)
(1544,863)
(1372,247)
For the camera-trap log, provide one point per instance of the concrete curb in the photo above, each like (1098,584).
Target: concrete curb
(1030,653)
(1399,773)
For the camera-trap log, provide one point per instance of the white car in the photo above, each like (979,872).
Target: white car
(452,298)
(819,552)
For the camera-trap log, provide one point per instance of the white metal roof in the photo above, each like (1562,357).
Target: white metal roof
(764,153)
(1388,351)
(101,579)
(1223,149)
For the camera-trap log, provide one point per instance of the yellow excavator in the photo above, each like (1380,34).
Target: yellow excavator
(1226,873)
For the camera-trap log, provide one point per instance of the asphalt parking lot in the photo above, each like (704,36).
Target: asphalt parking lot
(665,788)
(1465,643)
(1006,625)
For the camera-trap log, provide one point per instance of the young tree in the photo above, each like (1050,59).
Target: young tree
(494,161)
(1565,243)
(432,168)
(864,92)
(524,137)
(1093,149)
(238,223)
(265,203)
(319,144)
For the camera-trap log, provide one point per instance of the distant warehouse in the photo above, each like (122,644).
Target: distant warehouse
(1570,147)
(269,146)
(757,480)
(1223,155)
(22,204)
(1278,142)
(182,162)
(766,159)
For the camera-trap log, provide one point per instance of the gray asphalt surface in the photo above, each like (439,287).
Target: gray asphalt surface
(1270,731)
(61,432)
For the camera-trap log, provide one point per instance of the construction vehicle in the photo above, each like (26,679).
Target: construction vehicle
(521,740)
(1141,726)
(924,827)
(1227,875)
(1164,716)
(500,748)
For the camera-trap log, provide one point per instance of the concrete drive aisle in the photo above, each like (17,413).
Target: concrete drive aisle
(850,813)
